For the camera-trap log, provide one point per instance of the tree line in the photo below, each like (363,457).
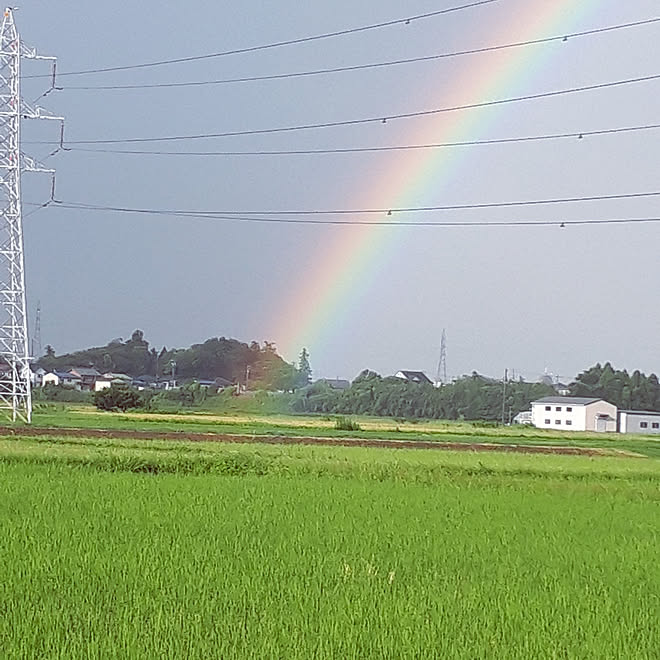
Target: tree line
(625,391)
(473,397)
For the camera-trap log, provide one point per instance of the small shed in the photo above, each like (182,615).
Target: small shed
(639,421)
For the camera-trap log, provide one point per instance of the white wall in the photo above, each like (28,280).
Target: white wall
(594,410)
(631,422)
(560,416)
(54,379)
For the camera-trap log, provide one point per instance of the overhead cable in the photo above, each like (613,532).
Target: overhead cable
(380,223)
(374,65)
(372,120)
(277,44)
(401,147)
(370,211)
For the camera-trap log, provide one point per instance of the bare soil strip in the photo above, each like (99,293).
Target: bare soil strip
(31,431)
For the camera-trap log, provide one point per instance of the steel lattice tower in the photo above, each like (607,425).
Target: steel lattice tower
(441,375)
(15,386)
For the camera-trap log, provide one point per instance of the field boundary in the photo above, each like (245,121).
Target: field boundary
(184,436)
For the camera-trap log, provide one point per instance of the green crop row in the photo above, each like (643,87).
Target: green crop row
(406,465)
(363,427)
(99,564)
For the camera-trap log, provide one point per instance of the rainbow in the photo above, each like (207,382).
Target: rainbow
(346,266)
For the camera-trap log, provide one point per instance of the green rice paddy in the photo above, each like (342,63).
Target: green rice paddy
(144,549)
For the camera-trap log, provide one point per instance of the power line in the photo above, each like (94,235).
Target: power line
(381,223)
(374,65)
(404,147)
(277,44)
(378,211)
(371,120)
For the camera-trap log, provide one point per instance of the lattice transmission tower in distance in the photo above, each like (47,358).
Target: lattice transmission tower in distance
(15,382)
(441,375)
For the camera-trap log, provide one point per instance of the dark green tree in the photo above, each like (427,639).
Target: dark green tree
(304,369)
(637,392)
(117,397)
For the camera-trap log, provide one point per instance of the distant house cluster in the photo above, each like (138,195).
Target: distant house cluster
(566,413)
(89,379)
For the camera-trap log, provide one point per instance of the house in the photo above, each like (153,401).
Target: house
(102,383)
(123,379)
(418,377)
(572,413)
(207,384)
(335,383)
(562,389)
(62,378)
(37,375)
(639,421)
(524,417)
(87,375)
(109,379)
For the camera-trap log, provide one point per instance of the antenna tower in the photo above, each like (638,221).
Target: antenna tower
(441,376)
(15,391)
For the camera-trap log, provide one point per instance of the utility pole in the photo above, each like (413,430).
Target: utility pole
(15,384)
(506,376)
(36,337)
(441,375)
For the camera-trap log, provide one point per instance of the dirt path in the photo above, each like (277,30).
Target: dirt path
(32,431)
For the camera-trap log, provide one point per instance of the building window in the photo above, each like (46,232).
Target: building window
(548,408)
(569,409)
(643,425)
(655,425)
(547,421)
(558,421)
(569,422)
(558,408)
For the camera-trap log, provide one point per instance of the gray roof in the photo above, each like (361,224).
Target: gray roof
(653,413)
(85,371)
(415,376)
(65,375)
(569,400)
(335,383)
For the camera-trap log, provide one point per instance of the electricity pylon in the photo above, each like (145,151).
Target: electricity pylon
(15,384)
(441,375)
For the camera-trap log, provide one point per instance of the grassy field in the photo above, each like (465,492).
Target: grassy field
(80,416)
(129,548)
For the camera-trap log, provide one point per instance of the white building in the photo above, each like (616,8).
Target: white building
(102,383)
(571,413)
(61,378)
(524,417)
(639,421)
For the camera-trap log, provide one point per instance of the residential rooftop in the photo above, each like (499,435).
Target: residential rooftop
(653,413)
(569,400)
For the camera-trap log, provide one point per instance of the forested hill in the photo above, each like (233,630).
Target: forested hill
(217,357)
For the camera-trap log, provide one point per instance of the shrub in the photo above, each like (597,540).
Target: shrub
(346,424)
(64,393)
(117,397)
(485,424)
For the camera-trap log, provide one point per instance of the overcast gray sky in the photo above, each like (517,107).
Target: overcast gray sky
(522,298)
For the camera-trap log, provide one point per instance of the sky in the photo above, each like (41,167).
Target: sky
(523,298)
